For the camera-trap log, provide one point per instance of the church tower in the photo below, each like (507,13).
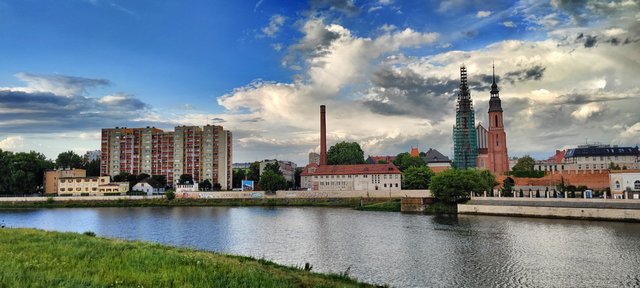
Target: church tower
(465,142)
(497,138)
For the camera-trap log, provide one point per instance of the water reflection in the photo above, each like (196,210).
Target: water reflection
(401,250)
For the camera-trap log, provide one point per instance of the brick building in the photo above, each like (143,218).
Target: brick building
(492,143)
(203,152)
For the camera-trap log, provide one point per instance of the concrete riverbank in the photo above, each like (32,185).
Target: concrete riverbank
(593,209)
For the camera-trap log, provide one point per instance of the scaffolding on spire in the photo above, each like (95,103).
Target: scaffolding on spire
(465,142)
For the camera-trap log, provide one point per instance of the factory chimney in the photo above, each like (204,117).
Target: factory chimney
(323,136)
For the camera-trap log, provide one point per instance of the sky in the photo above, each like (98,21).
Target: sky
(388,71)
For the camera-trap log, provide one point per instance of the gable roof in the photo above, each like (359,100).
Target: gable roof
(356,169)
(377,159)
(433,156)
(152,182)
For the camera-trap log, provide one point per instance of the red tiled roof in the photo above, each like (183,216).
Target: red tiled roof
(377,159)
(305,171)
(356,169)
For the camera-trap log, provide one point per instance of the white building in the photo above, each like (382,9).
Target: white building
(625,184)
(183,188)
(149,186)
(91,186)
(360,177)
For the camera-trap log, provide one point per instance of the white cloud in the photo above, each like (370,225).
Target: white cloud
(509,24)
(12,143)
(586,111)
(275,22)
(483,14)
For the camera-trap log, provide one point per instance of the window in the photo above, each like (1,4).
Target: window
(636,185)
(579,166)
(617,184)
(497,120)
(385,185)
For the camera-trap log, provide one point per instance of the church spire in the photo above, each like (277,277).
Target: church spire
(495,104)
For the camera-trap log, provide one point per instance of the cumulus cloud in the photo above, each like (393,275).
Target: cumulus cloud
(509,24)
(12,143)
(483,14)
(345,6)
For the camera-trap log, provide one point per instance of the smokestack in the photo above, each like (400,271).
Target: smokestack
(323,136)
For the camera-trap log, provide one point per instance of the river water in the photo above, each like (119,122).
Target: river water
(402,250)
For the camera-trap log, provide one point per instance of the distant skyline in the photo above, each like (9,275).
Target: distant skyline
(388,71)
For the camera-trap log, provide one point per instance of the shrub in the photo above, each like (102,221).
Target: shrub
(90,233)
(170,195)
(50,200)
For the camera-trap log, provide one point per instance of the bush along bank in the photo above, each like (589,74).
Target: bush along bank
(35,258)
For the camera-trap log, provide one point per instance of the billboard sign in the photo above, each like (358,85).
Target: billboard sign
(247,185)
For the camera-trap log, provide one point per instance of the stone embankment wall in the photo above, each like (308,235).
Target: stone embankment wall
(598,179)
(307,194)
(600,209)
(75,198)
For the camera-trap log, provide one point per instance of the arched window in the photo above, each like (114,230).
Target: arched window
(617,184)
(636,185)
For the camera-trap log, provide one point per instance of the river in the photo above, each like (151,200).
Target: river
(402,250)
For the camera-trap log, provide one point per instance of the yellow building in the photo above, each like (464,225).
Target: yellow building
(91,186)
(51,178)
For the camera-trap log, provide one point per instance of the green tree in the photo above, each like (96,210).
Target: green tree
(25,172)
(507,187)
(205,185)
(345,153)
(270,182)
(69,159)
(92,167)
(121,177)
(161,179)
(454,185)
(185,179)
(238,176)
(6,165)
(273,167)
(614,166)
(297,177)
(254,172)
(489,181)
(170,194)
(416,177)
(405,160)
(216,186)
(525,163)
(142,176)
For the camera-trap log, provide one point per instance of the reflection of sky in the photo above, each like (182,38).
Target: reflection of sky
(398,249)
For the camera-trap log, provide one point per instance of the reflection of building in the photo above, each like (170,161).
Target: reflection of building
(51,178)
(465,146)
(351,177)
(203,152)
(91,186)
(91,156)
(436,161)
(287,168)
(314,158)
(625,184)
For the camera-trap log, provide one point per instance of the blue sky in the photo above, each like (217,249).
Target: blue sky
(387,70)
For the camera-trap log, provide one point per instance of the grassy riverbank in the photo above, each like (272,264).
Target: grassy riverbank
(179,202)
(35,258)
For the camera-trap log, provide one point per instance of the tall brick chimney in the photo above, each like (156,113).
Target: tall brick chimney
(323,136)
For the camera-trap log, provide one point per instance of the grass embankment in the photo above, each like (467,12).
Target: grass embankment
(35,258)
(387,206)
(178,202)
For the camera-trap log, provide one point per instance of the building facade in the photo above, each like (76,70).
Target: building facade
(591,158)
(51,178)
(360,177)
(436,161)
(498,158)
(203,152)
(465,142)
(91,186)
(287,168)
(314,158)
(625,184)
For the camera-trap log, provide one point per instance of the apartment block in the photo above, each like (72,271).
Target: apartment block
(91,186)
(203,152)
(51,178)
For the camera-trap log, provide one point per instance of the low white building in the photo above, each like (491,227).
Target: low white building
(625,184)
(149,186)
(360,177)
(183,188)
(91,186)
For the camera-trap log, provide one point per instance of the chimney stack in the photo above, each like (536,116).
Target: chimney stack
(323,136)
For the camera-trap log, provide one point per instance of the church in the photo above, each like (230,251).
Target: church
(479,147)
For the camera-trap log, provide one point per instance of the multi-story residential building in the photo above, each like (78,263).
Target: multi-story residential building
(245,165)
(314,158)
(92,155)
(287,168)
(203,152)
(591,158)
(90,186)
(51,178)
(351,177)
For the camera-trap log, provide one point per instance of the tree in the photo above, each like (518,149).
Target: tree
(170,195)
(92,167)
(185,179)
(270,182)
(254,172)
(238,176)
(297,177)
(488,180)
(142,176)
(525,163)
(454,185)
(273,167)
(507,187)
(22,172)
(161,179)
(69,159)
(216,186)
(205,185)
(345,153)
(614,166)
(417,177)
(405,160)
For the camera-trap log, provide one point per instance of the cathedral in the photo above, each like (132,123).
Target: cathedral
(478,147)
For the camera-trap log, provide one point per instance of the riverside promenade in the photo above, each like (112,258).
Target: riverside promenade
(575,208)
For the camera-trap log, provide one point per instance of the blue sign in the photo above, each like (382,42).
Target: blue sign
(247,185)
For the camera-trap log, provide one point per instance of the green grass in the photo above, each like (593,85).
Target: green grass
(55,203)
(35,258)
(388,206)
